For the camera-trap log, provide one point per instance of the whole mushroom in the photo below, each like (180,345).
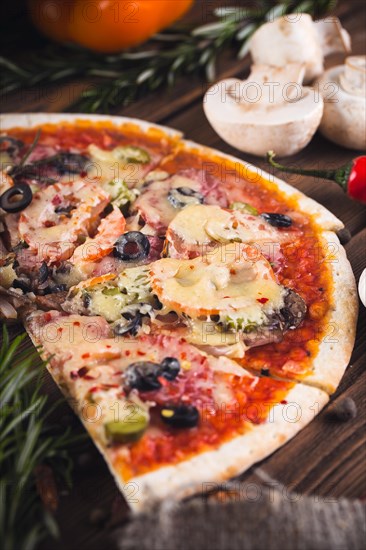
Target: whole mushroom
(298,39)
(344,91)
(269,110)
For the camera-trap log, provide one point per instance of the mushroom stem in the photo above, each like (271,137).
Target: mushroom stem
(340,175)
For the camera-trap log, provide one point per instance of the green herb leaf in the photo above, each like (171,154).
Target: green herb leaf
(28,441)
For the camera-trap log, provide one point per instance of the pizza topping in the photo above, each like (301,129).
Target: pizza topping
(170,368)
(160,198)
(120,194)
(126,154)
(132,247)
(95,248)
(131,323)
(54,234)
(130,428)
(198,228)
(244,207)
(128,164)
(181,416)
(146,375)
(16,198)
(183,196)
(228,279)
(10,145)
(43,273)
(277,220)
(143,376)
(116,298)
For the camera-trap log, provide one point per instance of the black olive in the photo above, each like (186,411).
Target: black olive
(43,273)
(24,194)
(143,376)
(52,289)
(23,285)
(181,416)
(277,220)
(72,163)
(63,163)
(86,299)
(131,326)
(180,197)
(132,246)
(170,368)
(156,304)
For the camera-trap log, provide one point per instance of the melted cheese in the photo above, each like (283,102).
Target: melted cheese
(108,166)
(204,224)
(109,296)
(232,280)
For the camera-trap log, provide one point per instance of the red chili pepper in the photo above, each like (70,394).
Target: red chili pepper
(351,177)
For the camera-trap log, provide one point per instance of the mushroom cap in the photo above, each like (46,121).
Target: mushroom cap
(289,40)
(285,123)
(297,38)
(344,118)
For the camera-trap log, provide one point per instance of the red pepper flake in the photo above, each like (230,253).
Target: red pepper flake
(74,374)
(108,346)
(262,300)
(60,329)
(94,389)
(48,223)
(77,323)
(85,355)
(284,402)
(128,353)
(141,353)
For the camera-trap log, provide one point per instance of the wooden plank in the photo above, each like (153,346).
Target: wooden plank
(326,458)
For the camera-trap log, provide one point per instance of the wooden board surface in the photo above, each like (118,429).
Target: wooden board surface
(327,458)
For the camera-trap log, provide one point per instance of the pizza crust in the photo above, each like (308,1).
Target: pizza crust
(336,347)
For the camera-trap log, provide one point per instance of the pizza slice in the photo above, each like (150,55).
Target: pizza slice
(168,418)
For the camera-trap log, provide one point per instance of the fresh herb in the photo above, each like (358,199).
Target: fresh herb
(124,77)
(34,454)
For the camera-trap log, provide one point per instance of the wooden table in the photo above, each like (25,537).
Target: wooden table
(326,458)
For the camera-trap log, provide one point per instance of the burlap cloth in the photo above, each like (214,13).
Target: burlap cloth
(263,516)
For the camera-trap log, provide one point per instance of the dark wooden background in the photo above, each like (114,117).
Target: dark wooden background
(327,458)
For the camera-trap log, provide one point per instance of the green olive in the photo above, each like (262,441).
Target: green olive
(244,207)
(127,430)
(132,154)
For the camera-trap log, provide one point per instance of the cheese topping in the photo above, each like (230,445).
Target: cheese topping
(110,296)
(200,225)
(232,280)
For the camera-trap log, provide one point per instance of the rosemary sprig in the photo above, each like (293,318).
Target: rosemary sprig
(127,76)
(32,451)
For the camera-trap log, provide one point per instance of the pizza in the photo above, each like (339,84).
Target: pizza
(196,312)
